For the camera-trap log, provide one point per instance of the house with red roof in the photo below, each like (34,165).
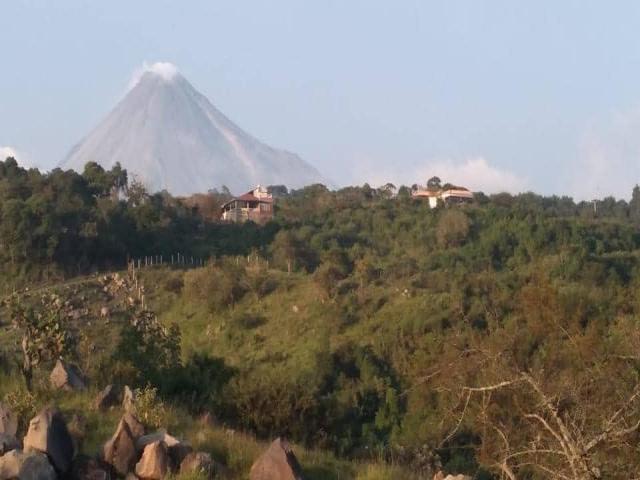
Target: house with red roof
(255,205)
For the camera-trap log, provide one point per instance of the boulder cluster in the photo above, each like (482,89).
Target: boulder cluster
(50,449)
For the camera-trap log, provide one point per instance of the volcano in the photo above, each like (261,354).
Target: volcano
(171,137)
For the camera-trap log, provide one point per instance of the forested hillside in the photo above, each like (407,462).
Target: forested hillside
(498,339)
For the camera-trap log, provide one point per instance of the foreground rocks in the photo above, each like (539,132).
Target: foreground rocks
(154,463)
(441,476)
(67,377)
(11,463)
(48,434)
(48,454)
(7,443)
(120,451)
(37,467)
(277,463)
(108,397)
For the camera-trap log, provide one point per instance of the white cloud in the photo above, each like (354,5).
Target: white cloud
(20,157)
(166,70)
(474,173)
(609,158)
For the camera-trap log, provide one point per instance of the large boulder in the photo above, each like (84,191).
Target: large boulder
(7,443)
(87,468)
(108,397)
(8,421)
(277,463)
(11,463)
(36,466)
(67,377)
(120,450)
(136,427)
(159,436)
(48,434)
(154,464)
(441,476)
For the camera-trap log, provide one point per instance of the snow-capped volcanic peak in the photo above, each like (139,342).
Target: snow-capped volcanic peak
(167,71)
(171,137)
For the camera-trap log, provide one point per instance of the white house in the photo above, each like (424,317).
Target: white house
(447,196)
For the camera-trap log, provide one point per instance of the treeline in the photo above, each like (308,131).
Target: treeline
(65,223)
(501,335)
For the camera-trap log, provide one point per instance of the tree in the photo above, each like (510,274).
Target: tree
(434,183)
(452,229)
(45,335)
(634,205)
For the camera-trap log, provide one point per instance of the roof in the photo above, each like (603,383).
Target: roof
(248,197)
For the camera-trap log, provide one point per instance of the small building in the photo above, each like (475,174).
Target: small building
(448,196)
(255,205)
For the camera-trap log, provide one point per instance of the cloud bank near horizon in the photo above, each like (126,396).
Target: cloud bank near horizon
(609,158)
(21,158)
(475,173)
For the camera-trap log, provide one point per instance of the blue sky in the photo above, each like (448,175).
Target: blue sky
(499,95)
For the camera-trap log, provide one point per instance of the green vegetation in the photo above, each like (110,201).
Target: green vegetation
(498,338)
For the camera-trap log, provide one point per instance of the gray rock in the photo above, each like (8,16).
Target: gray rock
(48,434)
(136,427)
(120,450)
(11,463)
(67,377)
(37,467)
(108,397)
(8,420)
(154,464)
(159,436)
(8,443)
(277,463)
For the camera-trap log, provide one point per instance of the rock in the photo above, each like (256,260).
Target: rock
(67,377)
(441,476)
(7,443)
(178,453)
(198,463)
(120,450)
(8,421)
(11,463)
(154,463)
(159,436)
(105,312)
(36,466)
(137,429)
(128,399)
(277,463)
(131,476)
(48,434)
(87,468)
(108,397)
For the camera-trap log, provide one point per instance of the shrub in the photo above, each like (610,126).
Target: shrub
(149,409)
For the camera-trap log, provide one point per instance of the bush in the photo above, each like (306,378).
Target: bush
(149,409)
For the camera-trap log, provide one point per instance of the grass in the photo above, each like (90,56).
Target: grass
(283,330)
(235,449)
